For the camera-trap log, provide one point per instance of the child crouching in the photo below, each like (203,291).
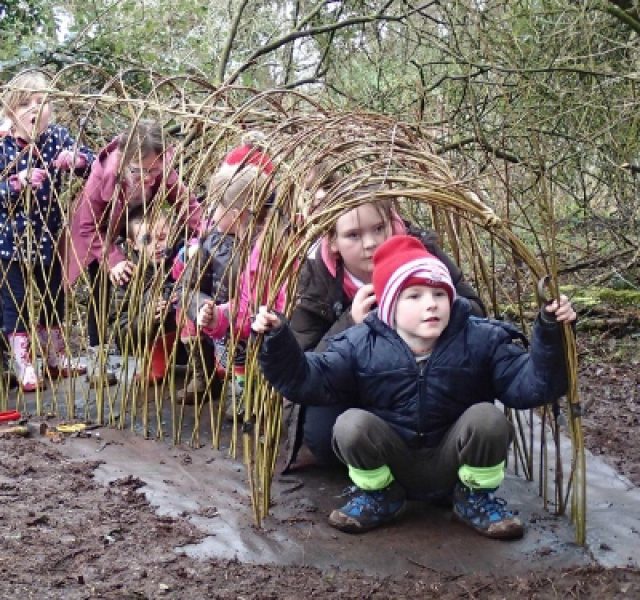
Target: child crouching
(212,270)
(421,375)
(216,321)
(145,314)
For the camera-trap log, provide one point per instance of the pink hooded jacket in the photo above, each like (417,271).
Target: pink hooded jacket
(99,209)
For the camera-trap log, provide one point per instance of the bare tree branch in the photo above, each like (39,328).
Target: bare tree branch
(622,10)
(233,31)
(289,65)
(635,169)
(499,153)
(312,32)
(309,80)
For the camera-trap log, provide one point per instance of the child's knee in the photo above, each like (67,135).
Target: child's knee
(352,427)
(488,420)
(485,436)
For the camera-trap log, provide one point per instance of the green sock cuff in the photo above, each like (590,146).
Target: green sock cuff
(371,479)
(482,478)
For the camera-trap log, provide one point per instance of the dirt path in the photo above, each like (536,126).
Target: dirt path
(63,535)
(81,529)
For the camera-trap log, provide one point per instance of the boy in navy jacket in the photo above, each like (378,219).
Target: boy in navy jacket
(422,376)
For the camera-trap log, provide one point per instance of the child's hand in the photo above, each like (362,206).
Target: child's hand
(121,273)
(161,309)
(362,303)
(208,315)
(192,250)
(265,321)
(33,177)
(67,160)
(563,310)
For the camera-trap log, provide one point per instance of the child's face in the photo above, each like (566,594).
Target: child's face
(151,241)
(31,116)
(315,202)
(358,234)
(228,220)
(143,174)
(422,314)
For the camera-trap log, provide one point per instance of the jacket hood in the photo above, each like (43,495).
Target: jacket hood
(106,167)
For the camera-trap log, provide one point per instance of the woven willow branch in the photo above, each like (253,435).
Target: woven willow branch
(369,152)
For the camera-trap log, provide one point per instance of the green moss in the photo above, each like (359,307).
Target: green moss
(584,299)
(593,296)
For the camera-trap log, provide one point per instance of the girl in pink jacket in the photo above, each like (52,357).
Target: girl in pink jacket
(131,171)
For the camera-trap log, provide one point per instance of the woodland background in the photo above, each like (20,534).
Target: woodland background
(520,96)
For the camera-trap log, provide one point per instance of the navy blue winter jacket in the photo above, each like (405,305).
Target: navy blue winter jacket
(371,367)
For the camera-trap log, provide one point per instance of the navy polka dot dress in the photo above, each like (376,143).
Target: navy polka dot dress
(30,220)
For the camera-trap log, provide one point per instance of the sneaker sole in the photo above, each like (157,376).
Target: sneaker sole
(349,525)
(506,534)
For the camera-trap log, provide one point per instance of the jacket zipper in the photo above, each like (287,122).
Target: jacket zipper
(422,367)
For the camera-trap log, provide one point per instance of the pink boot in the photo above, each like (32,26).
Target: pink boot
(59,363)
(25,371)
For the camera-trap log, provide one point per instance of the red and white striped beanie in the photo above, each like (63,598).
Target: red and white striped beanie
(402,261)
(249,153)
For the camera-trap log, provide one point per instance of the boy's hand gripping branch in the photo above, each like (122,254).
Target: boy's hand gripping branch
(265,321)
(562,310)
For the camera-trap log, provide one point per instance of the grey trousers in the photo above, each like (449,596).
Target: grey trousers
(479,438)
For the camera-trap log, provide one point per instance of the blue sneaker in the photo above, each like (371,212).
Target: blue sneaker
(367,510)
(488,515)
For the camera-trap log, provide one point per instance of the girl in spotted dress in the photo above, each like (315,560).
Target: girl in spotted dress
(33,155)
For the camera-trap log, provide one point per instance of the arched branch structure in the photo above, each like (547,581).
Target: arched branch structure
(499,250)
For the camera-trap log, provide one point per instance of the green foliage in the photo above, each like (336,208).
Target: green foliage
(534,102)
(592,297)
(24,24)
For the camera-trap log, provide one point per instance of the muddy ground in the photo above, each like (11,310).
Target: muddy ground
(65,535)
(610,393)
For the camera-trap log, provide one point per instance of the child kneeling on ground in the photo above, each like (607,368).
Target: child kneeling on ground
(144,307)
(421,375)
